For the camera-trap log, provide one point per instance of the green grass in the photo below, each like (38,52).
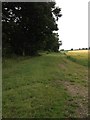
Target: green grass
(32,86)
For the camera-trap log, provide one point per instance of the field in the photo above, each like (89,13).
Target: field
(79,56)
(49,86)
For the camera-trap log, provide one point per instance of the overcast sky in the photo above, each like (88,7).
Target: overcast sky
(73,25)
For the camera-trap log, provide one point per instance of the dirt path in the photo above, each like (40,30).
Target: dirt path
(80,97)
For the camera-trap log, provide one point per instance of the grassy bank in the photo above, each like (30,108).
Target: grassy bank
(42,87)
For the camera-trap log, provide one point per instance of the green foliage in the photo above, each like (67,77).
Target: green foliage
(28,27)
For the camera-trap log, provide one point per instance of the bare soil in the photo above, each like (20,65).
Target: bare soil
(80,97)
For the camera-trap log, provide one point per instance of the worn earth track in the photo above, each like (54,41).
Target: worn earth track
(80,97)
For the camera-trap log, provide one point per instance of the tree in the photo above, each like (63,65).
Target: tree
(28,27)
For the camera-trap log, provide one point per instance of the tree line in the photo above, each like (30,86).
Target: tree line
(28,27)
(77,49)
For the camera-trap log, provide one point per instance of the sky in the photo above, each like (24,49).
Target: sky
(73,25)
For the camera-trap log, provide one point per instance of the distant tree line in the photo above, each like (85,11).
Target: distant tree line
(81,49)
(28,27)
(78,49)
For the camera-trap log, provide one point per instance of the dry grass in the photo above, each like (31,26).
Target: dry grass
(79,56)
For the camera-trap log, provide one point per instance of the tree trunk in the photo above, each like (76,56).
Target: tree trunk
(23,52)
